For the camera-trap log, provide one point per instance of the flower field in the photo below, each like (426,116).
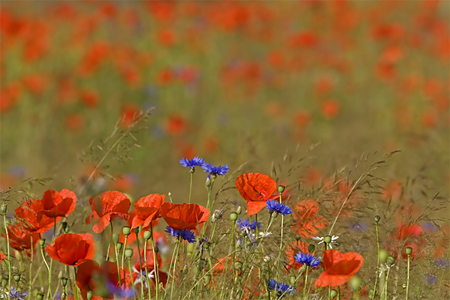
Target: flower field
(225,149)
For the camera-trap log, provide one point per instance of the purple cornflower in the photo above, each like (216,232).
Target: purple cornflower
(186,235)
(119,292)
(14,294)
(196,161)
(280,287)
(215,170)
(307,259)
(247,225)
(275,206)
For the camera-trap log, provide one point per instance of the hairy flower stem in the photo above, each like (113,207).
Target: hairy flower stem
(378,261)
(123,251)
(49,294)
(178,245)
(140,265)
(8,254)
(306,280)
(111,231)
(385,292)
(190,187)
(117,263)
(407,276)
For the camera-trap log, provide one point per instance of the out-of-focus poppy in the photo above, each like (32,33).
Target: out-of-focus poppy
(176,125)
(106,206)
(2,256)
(72,249)
(90,98)
(129,113)
(147,209)
(184,216)
(307,222)
(74,122)
(20,239)
(103,280)
(166,37)
(339,267)
(404,232)
(256,189)
(330,109)
(150,261)
(56,204)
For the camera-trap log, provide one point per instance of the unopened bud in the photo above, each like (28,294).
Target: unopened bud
(292,280)
(383,255)
(238,265)
(42,242)
(266,258)
(60,275)
(119,246)
(126,230)
(90,294)
(206,279)
(355,283)
(4,208)
(64,225)
(18,255)
(137,229)
(156,249)
(239,210)
(17,278)
(377,218)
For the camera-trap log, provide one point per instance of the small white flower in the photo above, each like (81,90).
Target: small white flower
(322,240)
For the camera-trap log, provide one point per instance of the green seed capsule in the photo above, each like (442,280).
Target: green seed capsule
(408,250)
(17,278)
(4,208)
(233,216)
(377,218)
(147,235)
(327,239)
(90,294)
(119,246)
(41,296)
(390,260)
(128,253)
(334,293)
(281,188)
(126,230)
(42,242)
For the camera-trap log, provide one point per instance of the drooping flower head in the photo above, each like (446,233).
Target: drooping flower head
(195,162)
(256,189)
(215,170)
(186,235)
(307,259)
(72,249)
(281,288)
(275,206)
(339,267)
(184,216)
(106,206)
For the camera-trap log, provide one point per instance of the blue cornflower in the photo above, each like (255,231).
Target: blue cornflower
(14,294)
(275,206)
(442,263)
(196,161)
(307,259)
(280,287)
(119,292)
(247,225)
(215,170)
(186,235)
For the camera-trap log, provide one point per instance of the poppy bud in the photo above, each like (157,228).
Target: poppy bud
(17,278)
(292,280)
(377,218)
(233,216)
(128,253)
(390,260)
(297,238)
(67,229)
(90,294)
(327,239)
(239,210)
(333,294)
(64,225)
(64,281)
(18,255)
(192,170)
(206,279)
(408,250)
(119,246)
(156,249)
(42,242)
(4,208)
(126,230)
(147,235)
(115,238)
(383,255)
(355,283)
(137,229)
(281,188)
(41,296)
(311,248)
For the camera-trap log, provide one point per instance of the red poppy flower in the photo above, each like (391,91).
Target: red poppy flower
(146,210)
(101,280)
(307,223)
(20,239)
(339,267)
(184,216)
(72,249)
(27,214)
(2,256)
(256,189)
(57,204)
(106,206)
(404,232)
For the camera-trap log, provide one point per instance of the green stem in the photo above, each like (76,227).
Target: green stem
(306,280)
(30,285)
(49,294)
(123,251)
(8,254)
(190,187)
(386,284)
(111,230)
(146,271)
(131,272)
(378,261)
(155,262)
(175,265)
(140,265)
(407,278)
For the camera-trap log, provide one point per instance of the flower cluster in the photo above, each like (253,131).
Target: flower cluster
(196,161)
(208,168)
(186,235)
(281,288)
(275,206)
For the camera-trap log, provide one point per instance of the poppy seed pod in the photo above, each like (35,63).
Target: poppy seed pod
(333,294)
(355,283)
(147,235)
(383,256)
(126,230)
(233,216)
(4,208)
(377,218)
(408,250)
(119,246)
(41,296)
(390,260)
(281,188)
(17,278)
(42,242)
(89,295)
(137,229)
(327,239)
(129,253)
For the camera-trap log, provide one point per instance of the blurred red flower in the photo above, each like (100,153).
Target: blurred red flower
(90,98)
(339,267)
(293,249)
(330,109)
(184,216)
(307,223)
(106,206)
(176,125)
(150,261)
(146,210)
(2,256)
(256,189)
(72,249)
(20,239)
(129,112)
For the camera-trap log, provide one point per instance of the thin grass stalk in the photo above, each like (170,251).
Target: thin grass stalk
(175,264)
